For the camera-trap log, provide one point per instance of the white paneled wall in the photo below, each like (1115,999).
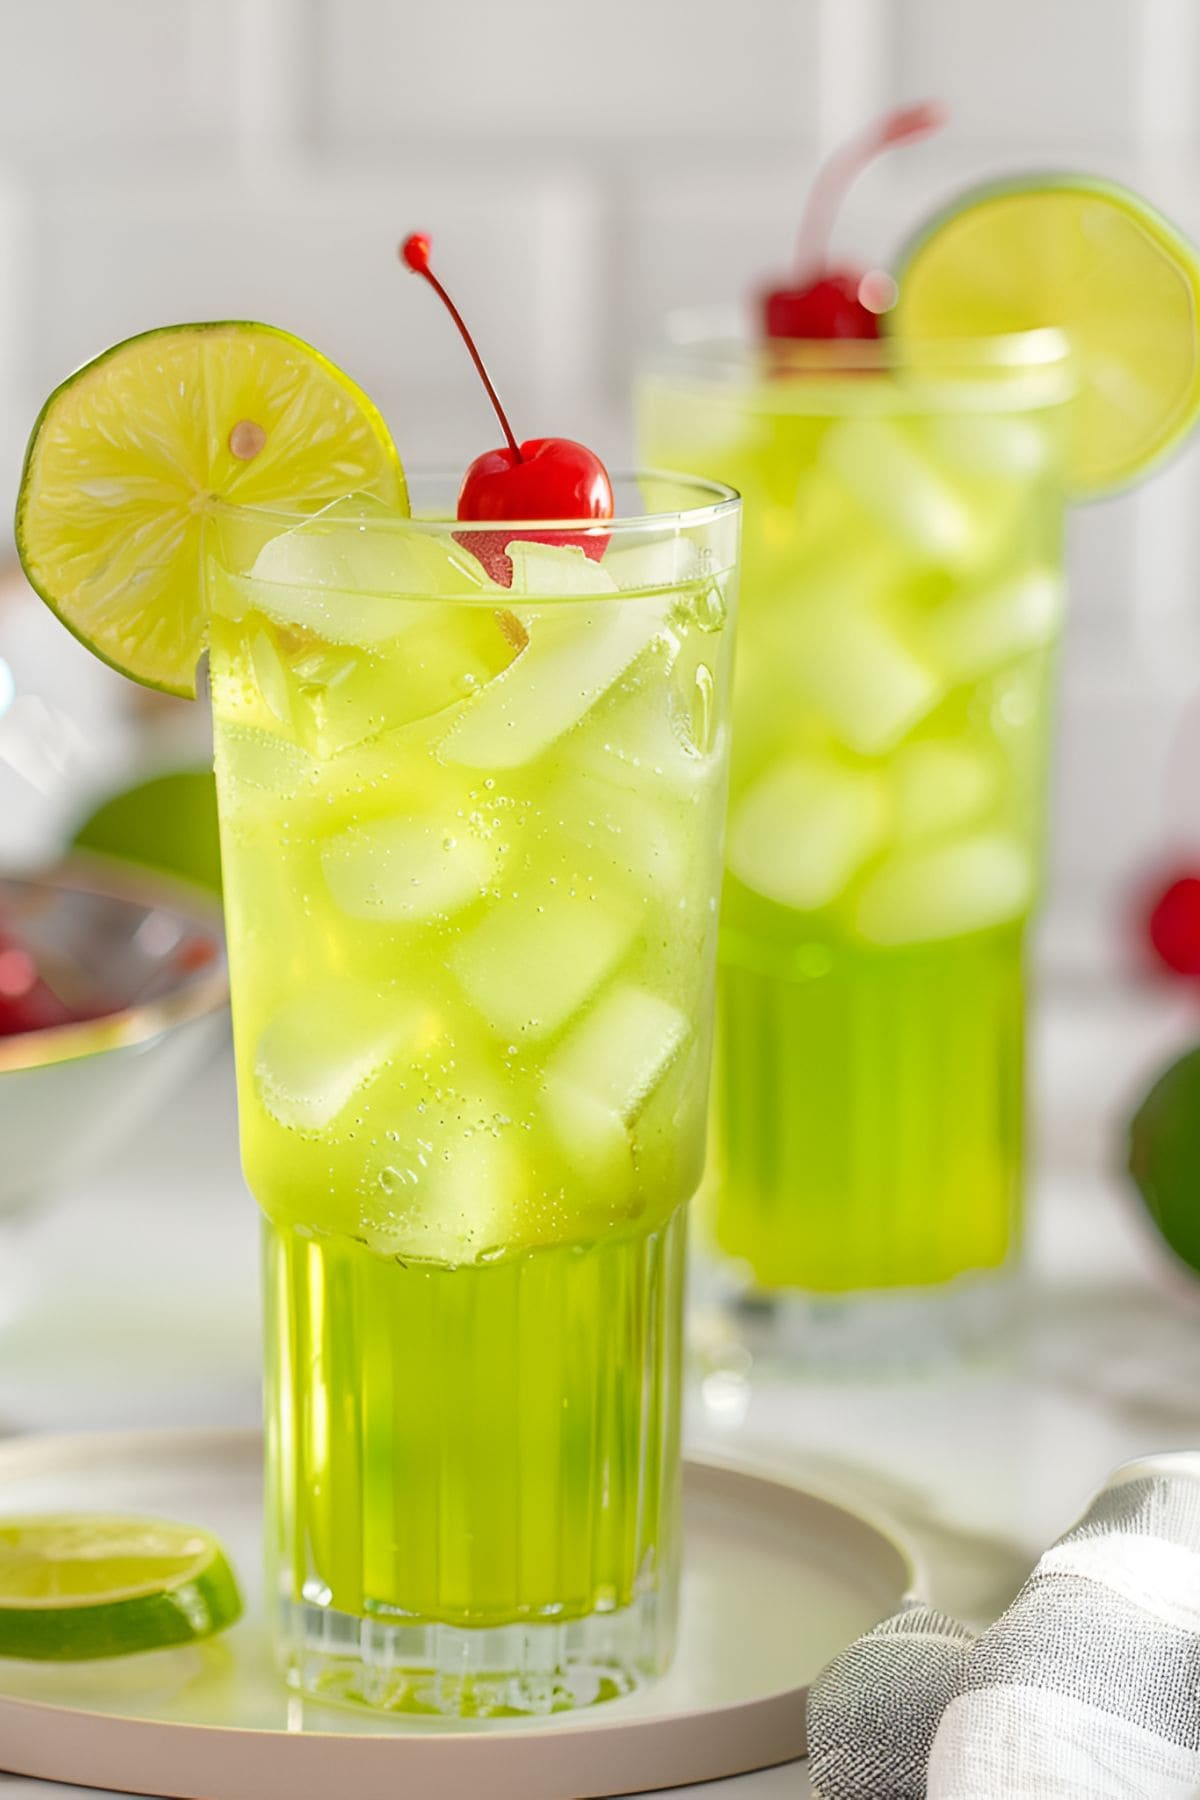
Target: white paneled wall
(583,167)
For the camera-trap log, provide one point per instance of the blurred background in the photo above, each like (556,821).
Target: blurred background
(581,170)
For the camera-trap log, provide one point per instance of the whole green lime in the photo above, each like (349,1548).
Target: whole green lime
(168,823)
(1164,1156)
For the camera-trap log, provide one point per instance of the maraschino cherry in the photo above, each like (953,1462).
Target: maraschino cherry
(26,1002)
(829,302)
(542,478)
(1173,924)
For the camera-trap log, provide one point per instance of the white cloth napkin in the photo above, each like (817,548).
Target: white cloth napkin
(1087,1688)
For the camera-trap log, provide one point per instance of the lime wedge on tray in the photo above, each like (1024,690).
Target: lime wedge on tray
(1103,267)
(76,1587)
(131,452)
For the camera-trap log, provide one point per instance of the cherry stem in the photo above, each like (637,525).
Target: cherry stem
(414,251)
(839,171)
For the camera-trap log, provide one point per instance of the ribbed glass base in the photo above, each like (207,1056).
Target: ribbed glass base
(477,1672)
(869,1117)
(473,1473)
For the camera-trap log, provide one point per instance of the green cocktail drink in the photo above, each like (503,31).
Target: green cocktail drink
(471,844)
(902,604)
(904,477)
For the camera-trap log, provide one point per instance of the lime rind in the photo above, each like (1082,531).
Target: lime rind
(1135,333)
(169,1585)
(128,455)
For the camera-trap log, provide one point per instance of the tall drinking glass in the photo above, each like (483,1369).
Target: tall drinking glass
(471,795)
(902,605)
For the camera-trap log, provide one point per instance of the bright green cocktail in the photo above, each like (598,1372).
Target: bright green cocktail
(471,841)
(902,604)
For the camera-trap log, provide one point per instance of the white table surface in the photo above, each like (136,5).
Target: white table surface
(979,1465)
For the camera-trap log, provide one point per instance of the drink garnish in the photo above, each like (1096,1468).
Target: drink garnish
(135,453)
(74,1587)
(1071,255)
(541,478)
(825,301)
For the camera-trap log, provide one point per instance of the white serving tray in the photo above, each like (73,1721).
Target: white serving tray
(777,1580)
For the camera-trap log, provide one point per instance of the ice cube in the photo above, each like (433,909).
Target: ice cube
(620,831)
(352,581)
(446,652)
(643,736)
(593,1140)
(271,677)
(803,829)
(326,1044)
(259,775)
(622,1048)
(840,656)
(533,961)
(473,1204)
(939,785)
(922,895)
(409,869)
(575,654)
(453,1181)
(984,628)
(671,561)
(1004,444)
(901,488)
(555,571)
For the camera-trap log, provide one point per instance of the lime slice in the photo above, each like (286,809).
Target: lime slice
(128,456)
(1106,269)
(1164,1156)
(167,823)
(76,1587)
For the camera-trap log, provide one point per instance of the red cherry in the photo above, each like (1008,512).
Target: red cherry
(26,1002)
(496,487)
(830,303)
(543,478)
(1173,925)
(829,308)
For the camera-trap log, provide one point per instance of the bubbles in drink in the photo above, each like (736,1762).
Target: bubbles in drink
(321,1048)
(622,1048)
(500,807)
(251,762)
(621,834)
(399,870)
(693,707)
(538,955)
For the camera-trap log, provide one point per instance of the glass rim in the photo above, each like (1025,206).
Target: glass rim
(716,501)
(719,337)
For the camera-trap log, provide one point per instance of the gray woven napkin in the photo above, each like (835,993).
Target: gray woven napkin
(1087,1688)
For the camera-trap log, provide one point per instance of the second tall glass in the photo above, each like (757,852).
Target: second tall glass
(902,604)
(472,784)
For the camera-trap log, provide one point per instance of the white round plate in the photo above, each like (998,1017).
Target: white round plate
(777,1580)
